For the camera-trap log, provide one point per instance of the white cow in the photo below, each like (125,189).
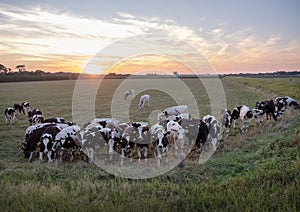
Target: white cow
(144,99)
(170,111)
(130,94)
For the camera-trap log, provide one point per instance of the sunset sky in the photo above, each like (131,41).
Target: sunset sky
(234,36)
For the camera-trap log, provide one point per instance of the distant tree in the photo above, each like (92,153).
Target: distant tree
(3,69)
(21,68)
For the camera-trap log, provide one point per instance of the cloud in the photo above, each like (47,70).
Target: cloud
(43,36)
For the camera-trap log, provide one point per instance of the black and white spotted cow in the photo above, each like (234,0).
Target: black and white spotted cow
(67,139)
(94,141)
(225,121)
(33,112)
(245,116)
(172,111)
(196,131)
(32,138)
(36,119)
(10,115)
(46,142)
(235,115)
(25,108)
(214,129)
(104,122)
(144,99)
(128,140)
(270,110)
(130,94)
(144,138)
(258,116)
(160,141)
(286,103)
(18,108)
(54,120)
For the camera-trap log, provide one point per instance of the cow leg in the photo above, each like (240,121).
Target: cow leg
(227,132)
(139,153)
(49,156)
(146,154)
(61,152)
(41,156)
(30,157)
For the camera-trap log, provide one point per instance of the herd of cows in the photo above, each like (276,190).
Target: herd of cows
(175,128)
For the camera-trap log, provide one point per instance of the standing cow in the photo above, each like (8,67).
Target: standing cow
(144,99)
(225,121)
(10,115)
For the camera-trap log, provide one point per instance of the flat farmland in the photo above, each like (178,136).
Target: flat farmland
(255,171)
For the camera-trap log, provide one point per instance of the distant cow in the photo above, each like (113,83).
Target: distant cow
(18,108)
(144,99)
(10,115)
(225,121)
(245,116)
(33,112)
(36,119)
(130,94)
(25,108)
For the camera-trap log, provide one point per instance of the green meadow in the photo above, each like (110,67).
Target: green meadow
(255,171)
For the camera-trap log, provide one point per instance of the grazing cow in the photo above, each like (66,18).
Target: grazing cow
(235,115)
(225,121)
(10,115)
(284,103)
(32,138)
(36,119)
(159,140)
(214,130)
(33,135)
(35,111)
(25,108)
(245,116)
(54,120)
(175,110)
(177,134)
(269,108)
(96,138)
(104,122)
(18,108)
(130,94)
(144,99)
(67,139)
(47,140)
(258,116)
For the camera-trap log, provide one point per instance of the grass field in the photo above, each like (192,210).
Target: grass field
(258,171)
